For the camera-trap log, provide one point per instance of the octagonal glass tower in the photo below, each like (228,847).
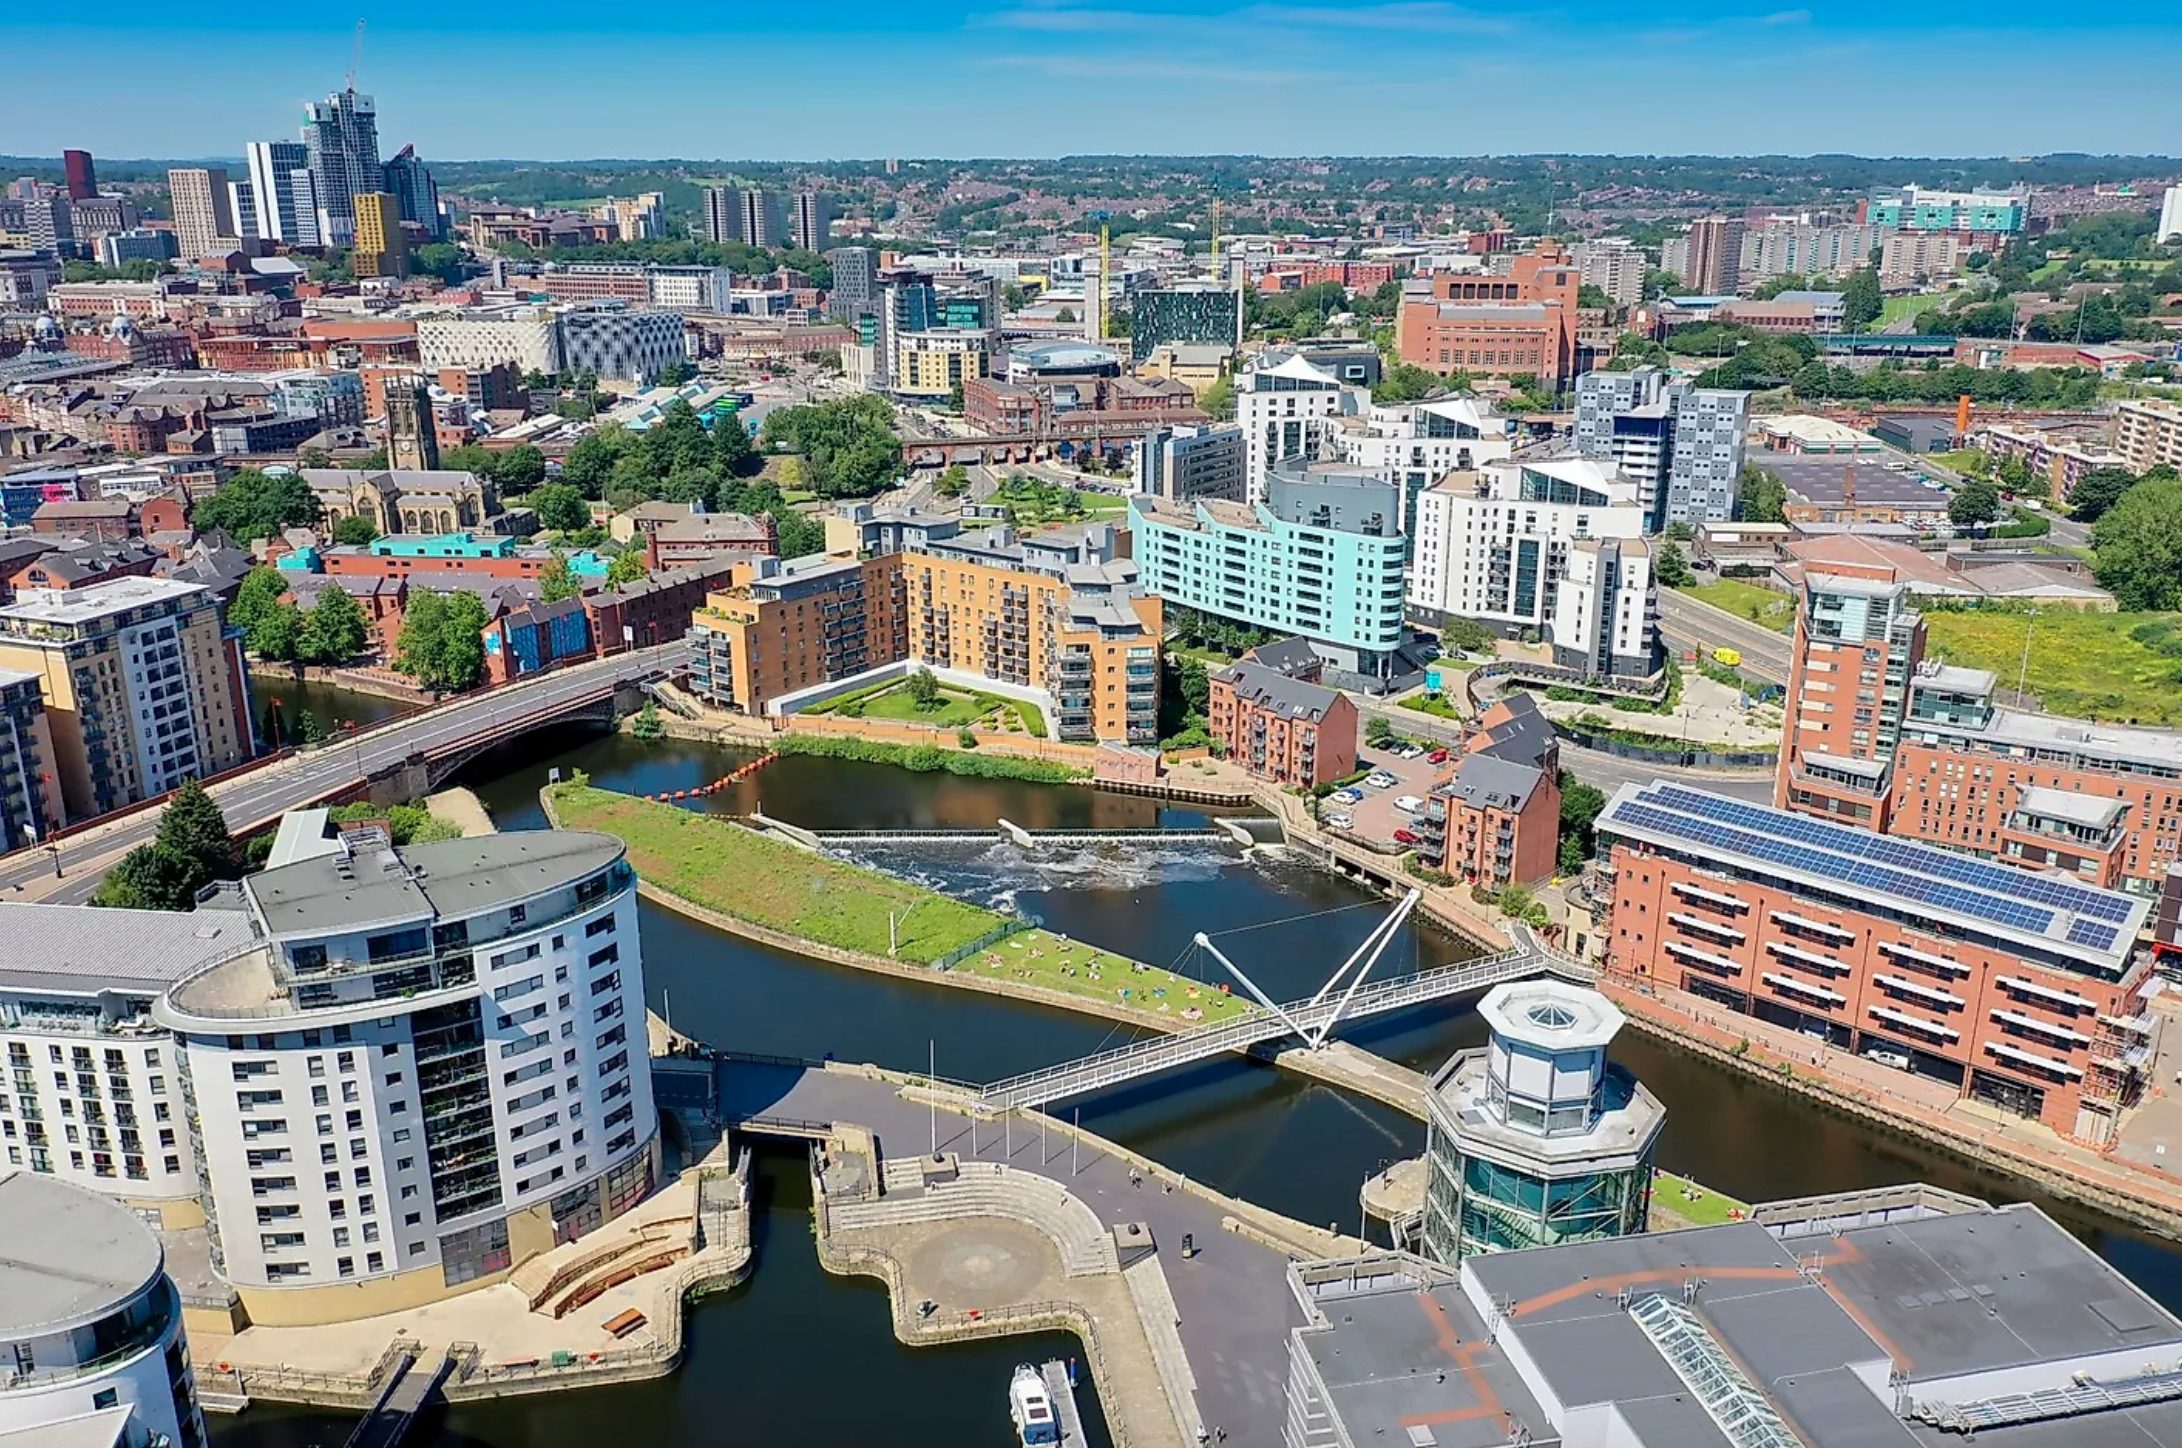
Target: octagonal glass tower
(1538,1139)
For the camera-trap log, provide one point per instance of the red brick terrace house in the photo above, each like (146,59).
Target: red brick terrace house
(1496,820)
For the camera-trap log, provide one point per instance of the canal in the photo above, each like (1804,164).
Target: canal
(781,1349)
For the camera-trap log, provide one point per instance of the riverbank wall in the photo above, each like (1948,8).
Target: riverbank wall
(2075,1176)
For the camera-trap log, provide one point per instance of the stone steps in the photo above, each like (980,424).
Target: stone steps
(1147,1282)
(987,1189)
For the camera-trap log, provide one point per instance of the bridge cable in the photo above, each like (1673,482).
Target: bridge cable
(1291,919)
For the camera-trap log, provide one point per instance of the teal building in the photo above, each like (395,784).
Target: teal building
(1913,208)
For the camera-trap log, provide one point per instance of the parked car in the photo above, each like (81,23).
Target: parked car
(1437,756)
(1351,795)
(1340,819)
(1406,837)
(1380,779)
(1409,803)
(1898,1060)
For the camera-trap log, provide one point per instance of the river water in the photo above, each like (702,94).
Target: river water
(797,1356)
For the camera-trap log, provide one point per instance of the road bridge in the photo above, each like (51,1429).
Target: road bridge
(1311,1021)
(428,744)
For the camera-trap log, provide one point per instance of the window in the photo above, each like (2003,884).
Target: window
(374,1261)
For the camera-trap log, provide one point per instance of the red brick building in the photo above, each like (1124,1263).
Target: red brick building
(96,520)
(710,538)
(1495,820)
(653,610)
(1494,326)
(2019,990)
(1282,728)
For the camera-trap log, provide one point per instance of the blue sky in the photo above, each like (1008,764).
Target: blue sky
(871,78)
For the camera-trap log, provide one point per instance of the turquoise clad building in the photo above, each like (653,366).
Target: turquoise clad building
(1322,557)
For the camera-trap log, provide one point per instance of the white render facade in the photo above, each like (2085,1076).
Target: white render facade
(90,1324)
(1413,445)
(530,337)
(437,1062)
(1494,545)
(1606,610)
(1285,407)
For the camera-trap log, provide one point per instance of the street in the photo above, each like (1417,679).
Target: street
(1690,625)
(275,788)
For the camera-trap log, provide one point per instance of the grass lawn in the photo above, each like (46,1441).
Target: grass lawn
(1776,611)
(1210,658)
(1437,707)
(1102,503)
(722,866)
(1896,308)
(1964,460)
(1697,1204)
(2081,664)
(954,710)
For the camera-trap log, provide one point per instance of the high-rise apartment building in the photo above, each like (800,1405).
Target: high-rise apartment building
(92,1336)
(203,223)
(855,282)
(2170,215)
(430,1070)
(1186,462)
(723,214)
(764,220)
(1858,643)
(1415,444)
(1056,619)
(1682,445)
(1802,248)
(2148,432)
(341,134)
(284,191)
(50,222)
(1202,314)
(416,194)
(381,247)
(811,225)
(1321,556)
(143,688)
(82,175)
(30,795)
(1287,406)
(1613,264)
(1992,215)
(1715,256)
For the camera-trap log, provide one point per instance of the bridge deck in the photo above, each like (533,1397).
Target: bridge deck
(1164,1053)
(403,1397)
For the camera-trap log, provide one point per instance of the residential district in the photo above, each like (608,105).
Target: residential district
(1747,616)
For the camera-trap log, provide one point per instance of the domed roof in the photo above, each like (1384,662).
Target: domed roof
(48,328)
(122,328)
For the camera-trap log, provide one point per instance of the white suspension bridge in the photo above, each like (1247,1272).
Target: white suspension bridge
(1310,1021)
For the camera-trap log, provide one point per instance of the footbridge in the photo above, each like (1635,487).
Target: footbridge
(1311,1021)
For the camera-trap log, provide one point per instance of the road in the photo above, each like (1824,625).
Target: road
(289,784)
(1688,624)
(1605,771)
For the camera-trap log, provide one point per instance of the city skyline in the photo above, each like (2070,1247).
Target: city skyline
(1204,76)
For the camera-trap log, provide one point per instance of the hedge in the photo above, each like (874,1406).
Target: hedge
(931,758)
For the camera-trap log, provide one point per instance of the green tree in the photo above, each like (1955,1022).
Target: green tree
(255,504)
(1580,807)
(924,688)
(954,480)
(262,588)
(150,877)
(801,535)
(1975,501)
(1760,498)
(589,465)
(2139,546)
(309,730)
(193,826)
(1218,400)
(519,469)
(848,446)
(1011,298)
(335,630)
(1195,685)
(1674,569)
(1406,382)
(557,580)
(1378,729)
(2097,491)
(648,726)
(560,507)
(355,530)
(1467,636)
(438,259)
(2015,476)
(674,374)
(277,636)
(628,566)
(1862,302)
(441,644)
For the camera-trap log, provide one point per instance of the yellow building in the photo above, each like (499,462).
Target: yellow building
(935,363)
(382,249)
(142,689)
(1198,364)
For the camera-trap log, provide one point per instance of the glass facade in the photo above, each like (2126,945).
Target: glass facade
(1474,1205)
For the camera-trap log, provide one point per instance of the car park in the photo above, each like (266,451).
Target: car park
(1409,803)
(1380,779)
(1351,795)
(1437,756)
(1340,819)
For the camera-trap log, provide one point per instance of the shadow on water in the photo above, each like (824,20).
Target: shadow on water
(790,1352)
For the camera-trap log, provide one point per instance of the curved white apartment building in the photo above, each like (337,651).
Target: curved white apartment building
(90,1325)
(434,1069)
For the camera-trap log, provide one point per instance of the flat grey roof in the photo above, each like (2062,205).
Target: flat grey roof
(446,879)
(84,605)
(67,1256)
(1822,480)
(73,949)
(100,1428)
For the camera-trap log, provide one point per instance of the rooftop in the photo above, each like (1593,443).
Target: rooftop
(67,1256)
(69,949)
(1824,480)
(78,606)
(2087,928)
(1276,692)
(446,880)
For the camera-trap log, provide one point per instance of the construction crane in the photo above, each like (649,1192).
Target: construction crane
(356,56)
(1095,305)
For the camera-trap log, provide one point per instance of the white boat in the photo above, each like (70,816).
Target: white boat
(1031,1406)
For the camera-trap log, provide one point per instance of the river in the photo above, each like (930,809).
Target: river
(775,1352)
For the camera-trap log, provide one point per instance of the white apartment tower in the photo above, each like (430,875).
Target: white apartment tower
(1413,445)
(2170,214)
(434,1069)
(1606,610)
(1286,406)
(285,196)
(204,223)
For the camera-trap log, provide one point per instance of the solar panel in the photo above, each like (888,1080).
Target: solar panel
(2006,897)
(1994,879)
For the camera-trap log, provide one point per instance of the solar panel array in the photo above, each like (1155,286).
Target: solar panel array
(1962,869)
(2013,899)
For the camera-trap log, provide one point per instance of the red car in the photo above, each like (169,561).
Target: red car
(1405,837)
(1437,756)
